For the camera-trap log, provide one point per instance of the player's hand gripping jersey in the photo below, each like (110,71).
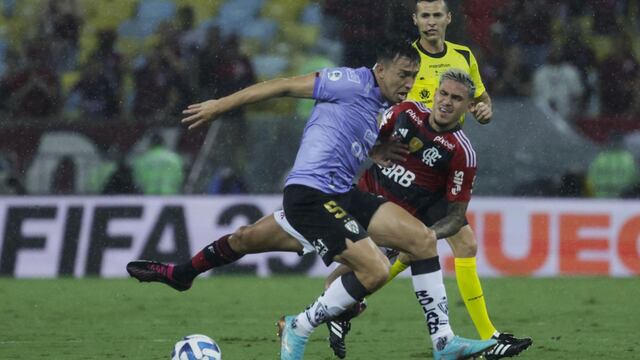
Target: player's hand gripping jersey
(441,165)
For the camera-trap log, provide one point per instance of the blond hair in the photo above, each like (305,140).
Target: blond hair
(461,77)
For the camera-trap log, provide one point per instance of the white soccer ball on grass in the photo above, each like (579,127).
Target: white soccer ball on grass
(196,347)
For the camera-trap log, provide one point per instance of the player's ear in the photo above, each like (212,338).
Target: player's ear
(378,69)
(449,18)
(415,19)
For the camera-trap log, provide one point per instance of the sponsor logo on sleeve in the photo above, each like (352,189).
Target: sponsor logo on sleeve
(386,117)
(414,117)
(458,177)
(334,75)
(353,76)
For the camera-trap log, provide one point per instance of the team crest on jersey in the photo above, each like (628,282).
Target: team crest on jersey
(430,156)
(425,93)
(415,144)
(335,75)
(352,226)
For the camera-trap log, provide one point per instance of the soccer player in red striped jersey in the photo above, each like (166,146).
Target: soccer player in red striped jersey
(434,182)
(441,166)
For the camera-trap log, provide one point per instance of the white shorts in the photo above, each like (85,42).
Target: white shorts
(281,219)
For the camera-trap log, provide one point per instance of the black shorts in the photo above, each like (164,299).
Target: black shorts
(436,212)
(326,220)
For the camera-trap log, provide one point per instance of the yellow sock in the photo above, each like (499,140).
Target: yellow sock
(471,292)
(396,269)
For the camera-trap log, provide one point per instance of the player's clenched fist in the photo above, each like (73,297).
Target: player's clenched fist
(482,112)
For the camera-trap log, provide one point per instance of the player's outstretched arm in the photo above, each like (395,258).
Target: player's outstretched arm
(207,111)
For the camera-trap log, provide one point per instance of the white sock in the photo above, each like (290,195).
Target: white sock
(330,304)
(432,296)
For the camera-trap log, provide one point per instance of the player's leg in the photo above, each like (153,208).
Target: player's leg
(341,325)
(399,265)
(337,236)
(262,236)
(392,226)
(435,212)
(464,247)
(368,274)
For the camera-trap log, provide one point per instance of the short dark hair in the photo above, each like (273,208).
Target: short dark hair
(446,6)
(391,48)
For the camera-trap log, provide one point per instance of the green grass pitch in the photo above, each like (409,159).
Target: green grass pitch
(568,318)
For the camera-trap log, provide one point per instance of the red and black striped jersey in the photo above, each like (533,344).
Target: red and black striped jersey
(440,164)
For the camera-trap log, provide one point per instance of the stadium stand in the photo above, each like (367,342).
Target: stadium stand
(277,37)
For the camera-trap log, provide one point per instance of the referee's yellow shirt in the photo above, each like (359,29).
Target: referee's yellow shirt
(432,65)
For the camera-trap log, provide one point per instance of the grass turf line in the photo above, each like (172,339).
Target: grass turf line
(569,318)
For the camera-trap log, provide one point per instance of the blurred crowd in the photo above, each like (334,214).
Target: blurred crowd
(48,71)
(577,57)
(145,60)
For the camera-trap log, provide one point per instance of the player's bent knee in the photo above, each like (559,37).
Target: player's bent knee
(422,247)
(379,274)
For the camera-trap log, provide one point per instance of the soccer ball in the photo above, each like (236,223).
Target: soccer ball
(196,347)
